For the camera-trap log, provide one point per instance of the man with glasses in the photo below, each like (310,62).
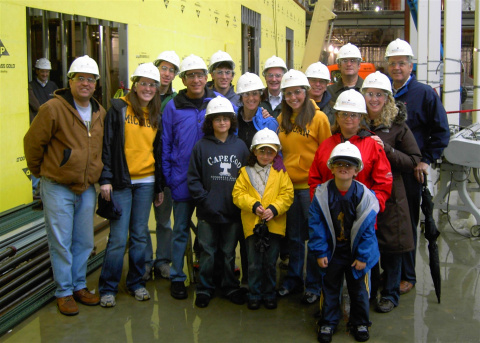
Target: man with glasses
(348,60)
(273,72)
(64,147)
(222,69)
(182,122)
(427,119)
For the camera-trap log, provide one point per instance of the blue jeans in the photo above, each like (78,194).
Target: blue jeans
(297,233)
(357,290)
(182,214)
(392,267)
(262,268)
(163,233)
(136,203)
(69,226)
(217,237)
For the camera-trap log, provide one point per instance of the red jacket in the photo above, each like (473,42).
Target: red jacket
(376,173)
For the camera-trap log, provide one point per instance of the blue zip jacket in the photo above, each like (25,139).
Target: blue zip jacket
(182,128)
(426,118)
(364,245)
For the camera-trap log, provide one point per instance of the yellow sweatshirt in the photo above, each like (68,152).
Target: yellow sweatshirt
(299,146)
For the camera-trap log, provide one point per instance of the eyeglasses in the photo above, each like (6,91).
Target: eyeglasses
(314,80)
(400,64)
(170,70)
(266,152)
(346,115)
(147,85)
(224,72)
(297,92)
(252,93)
(271,76)
(221,119)
(378,95)
(343,165)
(82,79)
(199,76)
(351,60)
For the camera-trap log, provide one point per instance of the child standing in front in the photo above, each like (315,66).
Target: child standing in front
(264,195)
(214,165)
(342,236)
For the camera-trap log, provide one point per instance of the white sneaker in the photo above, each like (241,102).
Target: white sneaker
(142,294)
(163,271)
(107,300)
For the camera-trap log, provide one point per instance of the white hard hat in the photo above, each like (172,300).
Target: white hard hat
(398,48)
(170,57)
(350,101)
(346,152)
(219,104)
(273,62)
(349,51)
(266,137)
(318,70)
(377,80)
(84,64)
(192,62)
(43,63)
(146,70)
(294,78)
(249,82)
(217,58)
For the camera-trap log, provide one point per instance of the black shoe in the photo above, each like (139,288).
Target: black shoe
(254,304)
(325,334)
(178,290)
(270,304)
(360,332)
(384,306)
(238,296)
(202,300)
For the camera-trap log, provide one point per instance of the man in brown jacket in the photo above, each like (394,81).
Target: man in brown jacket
(64,147)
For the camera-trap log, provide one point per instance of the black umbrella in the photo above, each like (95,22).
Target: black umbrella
(261,231)
(431,234)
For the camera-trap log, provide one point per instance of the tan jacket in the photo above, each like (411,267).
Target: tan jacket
(59,146)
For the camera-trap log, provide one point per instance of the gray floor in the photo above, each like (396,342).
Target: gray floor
(418,318)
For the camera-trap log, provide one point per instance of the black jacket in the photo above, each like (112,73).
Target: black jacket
(115,168)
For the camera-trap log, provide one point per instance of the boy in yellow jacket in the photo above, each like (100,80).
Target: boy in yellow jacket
(264,195)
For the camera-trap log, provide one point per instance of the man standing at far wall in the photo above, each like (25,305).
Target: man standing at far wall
(428,121)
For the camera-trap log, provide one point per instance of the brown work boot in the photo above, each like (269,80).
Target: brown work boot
(67,305)
(85,297)
(405,287)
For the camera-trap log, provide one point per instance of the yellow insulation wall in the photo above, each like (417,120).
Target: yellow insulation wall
(186,26)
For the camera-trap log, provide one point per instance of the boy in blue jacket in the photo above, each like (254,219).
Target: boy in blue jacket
(342,237)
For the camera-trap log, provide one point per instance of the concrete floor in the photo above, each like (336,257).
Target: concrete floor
(418,318)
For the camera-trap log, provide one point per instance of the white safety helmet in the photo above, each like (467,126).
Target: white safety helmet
(351,101)
(170,57)
(146,70)
(294,78)
(349,51)
(318,70)
(346,152)
(43,63)
(266,137)
(219,104)
(192,62)
(249,82)
(377,80)
(398,48)
(84,64)
(274,62)
(217,58)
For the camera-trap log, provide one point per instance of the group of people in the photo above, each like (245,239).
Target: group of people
(339,166)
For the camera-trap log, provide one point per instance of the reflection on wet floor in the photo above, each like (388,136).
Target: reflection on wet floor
(418,318)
